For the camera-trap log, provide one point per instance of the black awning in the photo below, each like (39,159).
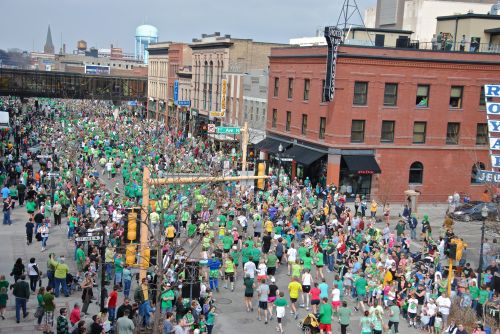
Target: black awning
(270,145)
(362,164)
(303,155)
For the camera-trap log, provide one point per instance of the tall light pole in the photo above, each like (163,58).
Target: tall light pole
(280,150)
(484,215)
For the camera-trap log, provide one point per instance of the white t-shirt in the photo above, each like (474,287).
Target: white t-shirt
(292,254)
(335,295)
(249,269)
(431,309)
(262,269)
(412,305)
(306,279)
(280,311)
(31,269)
(444,304)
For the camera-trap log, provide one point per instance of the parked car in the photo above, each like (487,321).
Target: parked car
(472,211)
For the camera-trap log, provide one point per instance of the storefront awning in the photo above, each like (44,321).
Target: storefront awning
(271,145)
(303,155)
(362,164)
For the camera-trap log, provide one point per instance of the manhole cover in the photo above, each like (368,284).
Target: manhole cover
(224,301)
(245,321)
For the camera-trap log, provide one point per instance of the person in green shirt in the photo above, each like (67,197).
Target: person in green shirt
(319,264)
(271,261)
(167,299)
(227,242)
(307,259)
(484,295)
(229,269)
(344,314)
(30,206)
(366,323)
(394,313)
(325,316)
(60,274)
(360,285)
(118,269)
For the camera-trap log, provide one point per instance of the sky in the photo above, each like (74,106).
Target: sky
(104,22)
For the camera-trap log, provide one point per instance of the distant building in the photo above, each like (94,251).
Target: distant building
(49,46)
(419,16)
(473,32)
(308,41)
(144,35)
(377,37)
(216,57)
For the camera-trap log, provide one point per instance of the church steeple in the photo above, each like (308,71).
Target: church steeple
(49,46)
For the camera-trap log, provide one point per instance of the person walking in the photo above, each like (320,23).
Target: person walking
(263,294)
(394,313)
(18,270)
(21,290)
(49,306)
(30,228)
(39,311)
(124,325)
(7,206)
(344,317)
(33,273)
(57,208)
(325,317)
(62,325)
(87,292)
(44,234)
(248,282)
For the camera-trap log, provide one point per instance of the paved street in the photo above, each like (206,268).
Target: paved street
(231,311)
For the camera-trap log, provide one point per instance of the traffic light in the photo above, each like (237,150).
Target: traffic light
(452,252)
(133,225)
(261,171)
(251,153)
(146,257)
(130,251)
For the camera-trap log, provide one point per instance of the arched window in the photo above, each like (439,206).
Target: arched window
(475,168)
(416,173)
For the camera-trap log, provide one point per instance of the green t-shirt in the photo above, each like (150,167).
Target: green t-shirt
(271,260)
(307,262)
(302,251)
(236,257)
(344,315)
(325,313)
(73,221)
(319,259)
(30,206)
(248,282)
(48,302)
(118,266)
(360,285)
(227,242)
(281,302)
(483,296)
(474,292)
(80,256)
(167,303)
(191,230)
(395,313)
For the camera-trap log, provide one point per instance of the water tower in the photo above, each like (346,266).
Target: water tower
(144,35)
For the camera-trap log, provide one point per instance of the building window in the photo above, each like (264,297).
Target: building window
(323,83)
(482,134)
(456,96)
(387,135)
(288,120)
(475,169)
(276,87)
(357,131)
(360,93)
(419,129)
(482,99)
(422,96)
(322,127)
(391,94)
(307,86)
(275,118)
(452,133)
(304,124)
(290,88)
(416,173)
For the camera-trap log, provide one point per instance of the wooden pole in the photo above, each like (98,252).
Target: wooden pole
(144,221)
(244,144)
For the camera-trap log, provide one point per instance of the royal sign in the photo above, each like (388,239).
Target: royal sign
(333,37)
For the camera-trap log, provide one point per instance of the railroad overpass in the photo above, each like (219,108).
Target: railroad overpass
(29,83)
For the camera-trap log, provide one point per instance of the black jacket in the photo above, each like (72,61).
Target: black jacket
(21,289)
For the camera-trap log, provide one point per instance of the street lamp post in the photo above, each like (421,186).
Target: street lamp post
(280,149)
(484,215)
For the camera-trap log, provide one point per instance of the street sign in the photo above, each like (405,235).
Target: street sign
(228,130)
(89,238)
(223,96)
(211,128)
(176,91)
(184,103)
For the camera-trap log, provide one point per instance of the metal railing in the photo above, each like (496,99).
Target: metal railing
(450,46)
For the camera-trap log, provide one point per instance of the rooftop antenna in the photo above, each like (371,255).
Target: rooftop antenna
(345,21)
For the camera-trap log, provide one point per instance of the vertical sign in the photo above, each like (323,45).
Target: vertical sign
(223,97)
(333,37)
(492,114)
(176,91)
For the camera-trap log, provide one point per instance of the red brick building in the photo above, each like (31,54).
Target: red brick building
(401,119)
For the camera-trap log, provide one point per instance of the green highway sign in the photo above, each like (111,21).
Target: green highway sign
(228,131)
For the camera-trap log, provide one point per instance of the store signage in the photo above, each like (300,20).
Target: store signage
(366,172)
(333,37)
(89,238)
(492,110)
(184,103)
(216,114)
(176,91)
(211,128)
(223,96)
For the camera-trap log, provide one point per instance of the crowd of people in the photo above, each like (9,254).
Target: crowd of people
(297,249)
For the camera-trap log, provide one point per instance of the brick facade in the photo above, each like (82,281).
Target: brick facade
(446,166)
